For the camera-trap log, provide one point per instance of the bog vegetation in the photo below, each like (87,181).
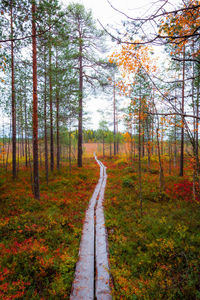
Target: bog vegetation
(52,58)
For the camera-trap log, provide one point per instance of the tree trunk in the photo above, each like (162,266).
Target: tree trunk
(29,159)
(45,120)
(143,141)
(131,133)
(162,146)
(3,145)
(25,112)
(57,114)
(8,148)
(117,141)
(148,144)
(182,111)
(35,104)
(18,144)
(103,147)
(14,151)
(161,177)
(114,119)
(70,152)
(80,113)
(139,154)
(134,150)
(175,137)
(170,160)
(51,110)
(197,125)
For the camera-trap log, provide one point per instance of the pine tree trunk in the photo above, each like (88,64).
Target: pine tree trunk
(197,123)
(117,141)
(175,137)
(80,113)
(14,151)
(70,152)
(103,147)
(152,135)
(3,145)
(18,144)
(161,176)
(134,146)
(148,144)
(22,140)
(143,141)
(57,114)
(170,160)
(29,159)
(35,104)
(45,121)
(114,118)
(131,133)
(139,155)
(162,146)
(182,111)
(25,119)
(8,148)
(51,110)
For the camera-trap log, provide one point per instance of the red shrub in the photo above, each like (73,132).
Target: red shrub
(184,190)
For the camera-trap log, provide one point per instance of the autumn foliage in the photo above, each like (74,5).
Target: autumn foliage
(40,238)
(181,27)
(154,256)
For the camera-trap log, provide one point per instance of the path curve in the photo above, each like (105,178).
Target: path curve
(92,269)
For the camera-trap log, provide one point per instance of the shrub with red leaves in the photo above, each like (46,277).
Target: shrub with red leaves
(184,189)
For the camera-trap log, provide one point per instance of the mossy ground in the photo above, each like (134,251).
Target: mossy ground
(40,238)
(154,255)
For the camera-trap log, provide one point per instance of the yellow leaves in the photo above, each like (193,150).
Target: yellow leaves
(134,102)
(127,137)
(181,229)
(65,256)
(163,220)
(131,58)
(163,245)
(182,24)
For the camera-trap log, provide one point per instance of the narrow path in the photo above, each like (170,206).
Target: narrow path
(92,276)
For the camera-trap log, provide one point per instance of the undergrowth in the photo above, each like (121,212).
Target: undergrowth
(154,255)
(40,238)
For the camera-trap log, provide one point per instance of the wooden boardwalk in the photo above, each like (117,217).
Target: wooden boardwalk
(92,276)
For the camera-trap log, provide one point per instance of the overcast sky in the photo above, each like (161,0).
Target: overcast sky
(135,8)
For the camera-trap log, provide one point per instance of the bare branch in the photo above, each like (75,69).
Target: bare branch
(155,16)
(188,59)
(173,114)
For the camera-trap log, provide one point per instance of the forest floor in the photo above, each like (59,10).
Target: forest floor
(40,239)
(156,255)
(153,256)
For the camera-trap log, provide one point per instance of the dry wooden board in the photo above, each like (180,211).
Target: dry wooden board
(87,284)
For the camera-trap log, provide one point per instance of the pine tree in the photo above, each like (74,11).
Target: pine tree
(85,39)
